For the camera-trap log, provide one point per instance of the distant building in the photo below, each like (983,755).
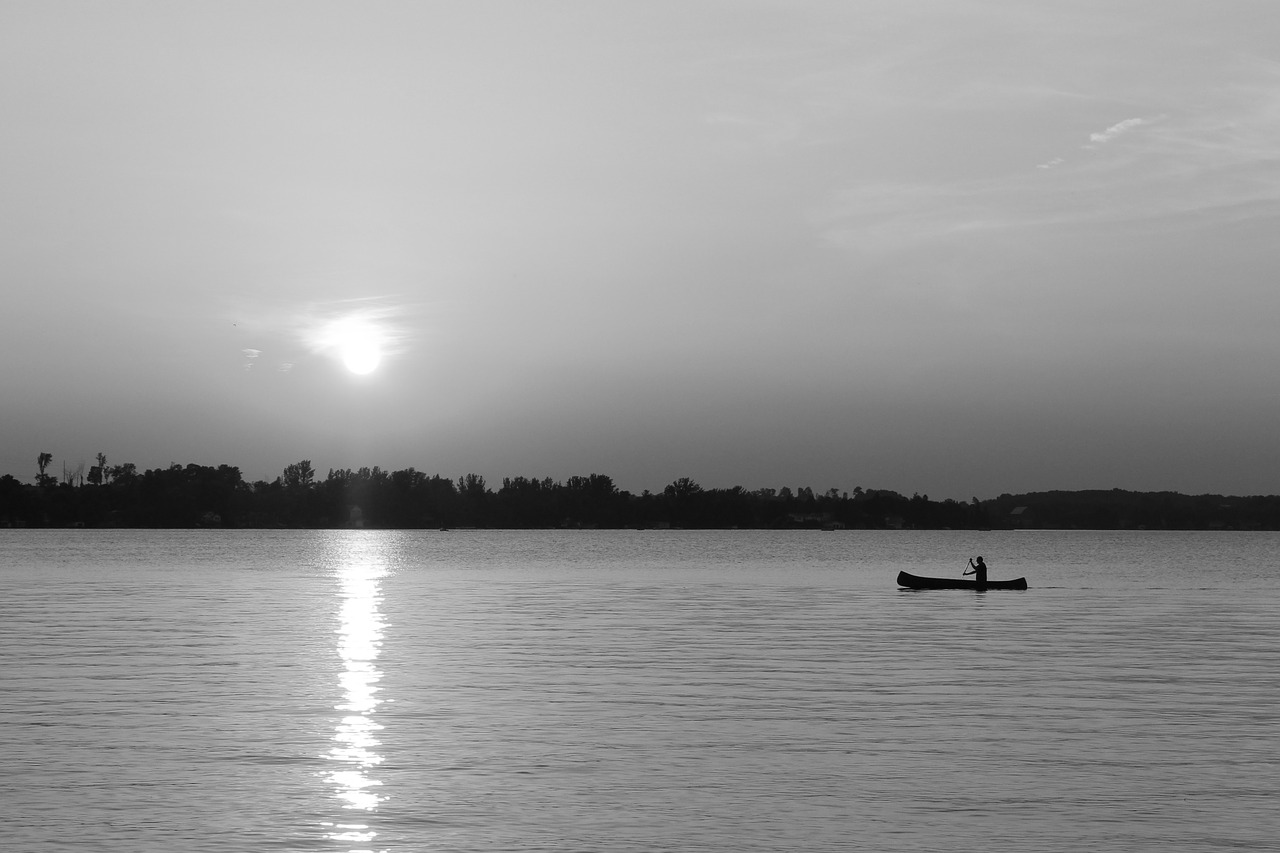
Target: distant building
(1020,517)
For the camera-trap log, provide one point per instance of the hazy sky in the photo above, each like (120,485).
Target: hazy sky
(959,247)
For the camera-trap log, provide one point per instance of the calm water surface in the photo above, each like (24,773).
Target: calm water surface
(619,691)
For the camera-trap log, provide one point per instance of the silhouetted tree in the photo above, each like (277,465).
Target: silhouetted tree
(299,475)
(98,474)
(529,502)
(43,461)
(125,472)
(11,501)
(683,500)
(472,501)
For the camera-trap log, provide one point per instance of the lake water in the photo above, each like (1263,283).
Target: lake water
(636,691)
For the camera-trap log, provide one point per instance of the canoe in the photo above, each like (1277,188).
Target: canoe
(916,582)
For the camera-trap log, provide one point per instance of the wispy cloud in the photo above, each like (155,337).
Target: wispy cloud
(1120,127)
(1102,137)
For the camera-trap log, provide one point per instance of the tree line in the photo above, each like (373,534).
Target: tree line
(204,496)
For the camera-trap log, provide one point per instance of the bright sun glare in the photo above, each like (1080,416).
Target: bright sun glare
(360,340)
(361,356)
(358,343)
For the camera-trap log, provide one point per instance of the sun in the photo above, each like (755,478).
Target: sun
(361,341)
(359,344)
(361,356)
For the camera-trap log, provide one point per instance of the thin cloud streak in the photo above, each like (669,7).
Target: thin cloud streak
(1115,130)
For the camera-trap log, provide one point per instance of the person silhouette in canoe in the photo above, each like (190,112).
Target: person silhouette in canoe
(980,569)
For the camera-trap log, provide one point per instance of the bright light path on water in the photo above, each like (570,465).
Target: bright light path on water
(355,738)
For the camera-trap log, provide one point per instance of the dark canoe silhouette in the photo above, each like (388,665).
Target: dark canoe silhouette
(911,581)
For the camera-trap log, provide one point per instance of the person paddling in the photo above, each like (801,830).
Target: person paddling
(980,569)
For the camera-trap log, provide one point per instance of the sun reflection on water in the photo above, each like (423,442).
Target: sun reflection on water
(354,752)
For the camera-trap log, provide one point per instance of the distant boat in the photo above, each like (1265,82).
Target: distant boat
(911,581)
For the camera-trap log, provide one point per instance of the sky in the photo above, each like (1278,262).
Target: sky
(949,247)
